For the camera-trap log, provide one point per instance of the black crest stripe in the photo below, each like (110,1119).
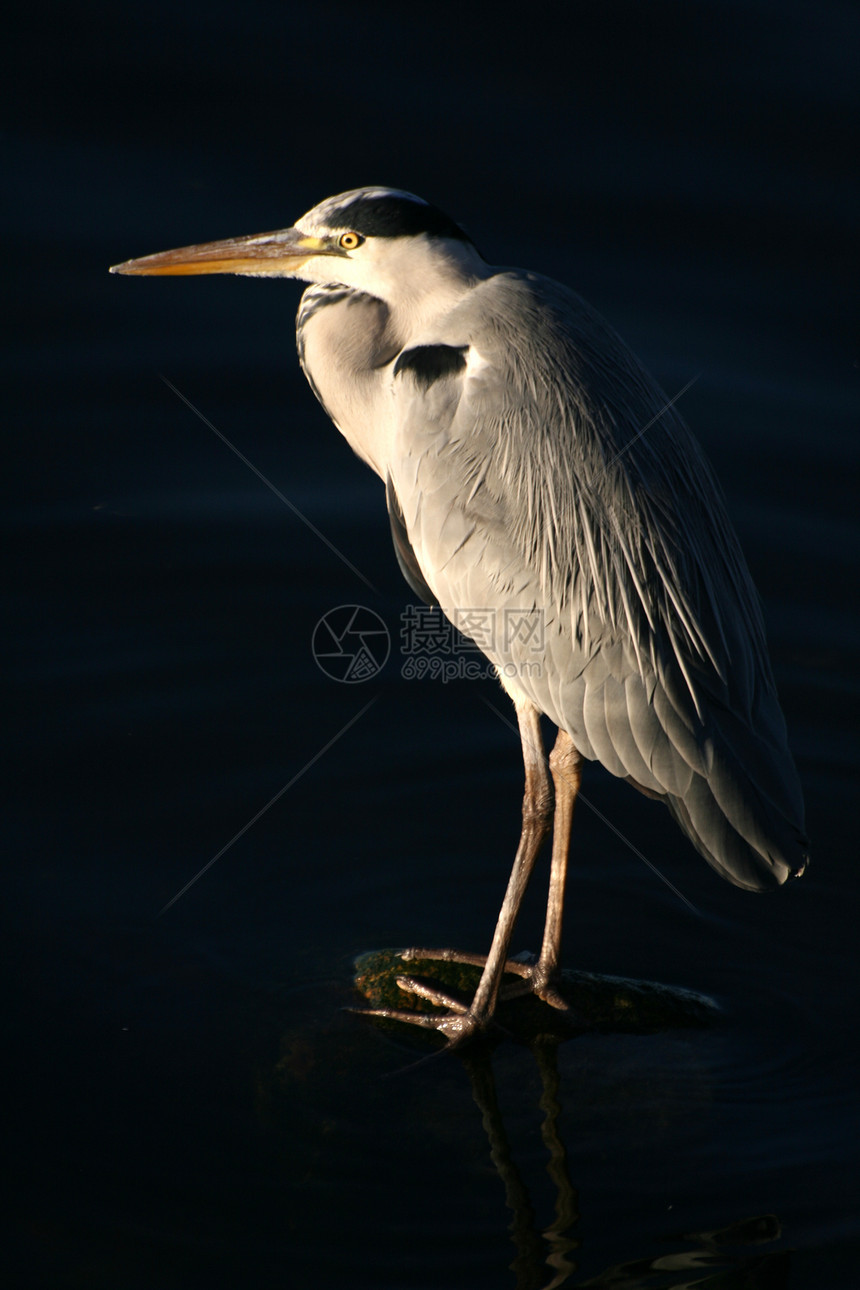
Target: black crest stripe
(390,216)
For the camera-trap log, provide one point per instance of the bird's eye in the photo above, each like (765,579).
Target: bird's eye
(349,241)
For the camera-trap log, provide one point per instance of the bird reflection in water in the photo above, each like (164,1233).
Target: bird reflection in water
(720,1259)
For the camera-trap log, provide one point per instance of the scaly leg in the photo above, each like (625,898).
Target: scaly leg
(565,764)
(459,1022)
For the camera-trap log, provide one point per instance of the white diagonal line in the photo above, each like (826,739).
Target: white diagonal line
(654,419)
(638,853)
(608,823)
(290,505)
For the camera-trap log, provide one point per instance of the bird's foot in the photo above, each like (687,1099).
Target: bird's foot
(536,977)
(448,994)
(458,1023)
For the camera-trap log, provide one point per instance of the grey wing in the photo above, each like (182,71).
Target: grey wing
(526,487)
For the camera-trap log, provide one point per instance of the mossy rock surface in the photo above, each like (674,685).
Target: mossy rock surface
(600,1004)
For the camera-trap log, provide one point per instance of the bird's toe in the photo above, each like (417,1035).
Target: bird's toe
(432,993)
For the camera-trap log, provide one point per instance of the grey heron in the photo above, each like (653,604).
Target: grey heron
(532,466)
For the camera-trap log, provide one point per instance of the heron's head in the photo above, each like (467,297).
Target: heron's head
(381,241)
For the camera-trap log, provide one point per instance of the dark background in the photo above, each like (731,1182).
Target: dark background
(190,1106)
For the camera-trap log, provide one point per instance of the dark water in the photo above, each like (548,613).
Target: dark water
(190,1105)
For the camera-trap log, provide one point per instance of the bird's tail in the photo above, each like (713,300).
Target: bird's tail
(746,815)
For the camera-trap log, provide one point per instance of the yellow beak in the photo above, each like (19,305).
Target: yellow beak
(264,255)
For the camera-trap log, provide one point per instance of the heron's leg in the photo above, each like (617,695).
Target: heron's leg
(537,817)
(460,1021)
(565,764)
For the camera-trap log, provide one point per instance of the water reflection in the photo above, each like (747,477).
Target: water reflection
(720,1259)
(552,1245)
